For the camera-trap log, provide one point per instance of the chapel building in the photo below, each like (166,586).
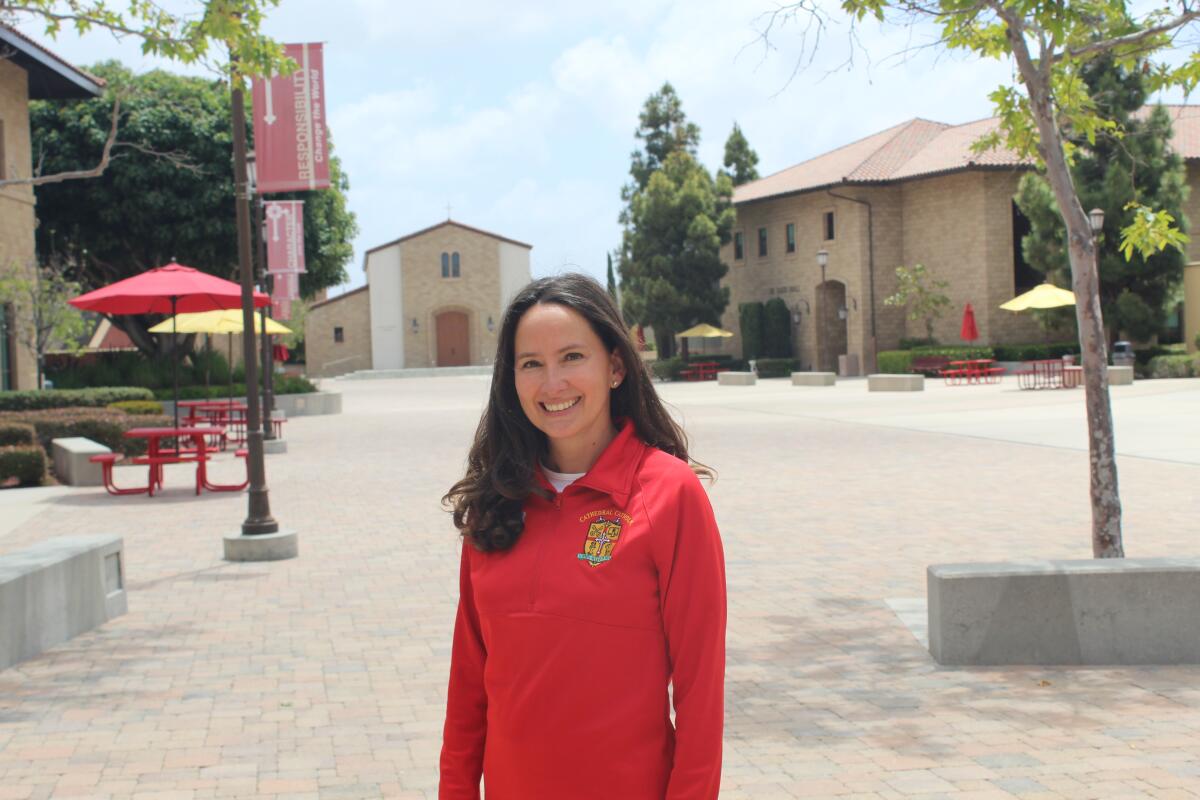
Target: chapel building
(433,298)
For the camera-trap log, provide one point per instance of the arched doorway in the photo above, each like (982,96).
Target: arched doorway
(832,338)
(453,348)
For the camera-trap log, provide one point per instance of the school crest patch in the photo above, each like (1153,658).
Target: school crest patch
(602,536)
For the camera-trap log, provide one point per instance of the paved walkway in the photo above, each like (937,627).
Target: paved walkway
(324,676)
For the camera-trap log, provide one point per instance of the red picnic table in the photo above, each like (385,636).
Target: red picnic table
(230,415)
(972,370)
(702,371)
(157,456)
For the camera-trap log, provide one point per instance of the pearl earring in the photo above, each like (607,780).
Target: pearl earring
(616,384)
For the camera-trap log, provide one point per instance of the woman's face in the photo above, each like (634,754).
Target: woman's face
(564,376)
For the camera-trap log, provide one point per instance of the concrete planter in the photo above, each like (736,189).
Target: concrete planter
(294,405)
(814,379)
(895,383)
(1094,612)
(736,378)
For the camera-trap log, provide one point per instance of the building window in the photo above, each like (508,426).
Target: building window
(827,225)
(445,265)
(339,336)
(791,237)
(454,273)
(762,242)
(739,246)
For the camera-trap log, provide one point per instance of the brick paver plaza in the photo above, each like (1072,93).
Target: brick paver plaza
(324,676)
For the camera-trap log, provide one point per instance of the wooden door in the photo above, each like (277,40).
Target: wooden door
(452,343)
(832,329)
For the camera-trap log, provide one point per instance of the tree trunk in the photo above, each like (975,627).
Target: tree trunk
(1085,282)
(664,340)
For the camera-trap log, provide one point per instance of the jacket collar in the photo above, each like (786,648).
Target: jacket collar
(613,472)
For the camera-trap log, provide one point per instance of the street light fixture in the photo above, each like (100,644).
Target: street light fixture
(822,262)
(1096,218)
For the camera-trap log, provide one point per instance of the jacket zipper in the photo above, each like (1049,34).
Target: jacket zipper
(535,584)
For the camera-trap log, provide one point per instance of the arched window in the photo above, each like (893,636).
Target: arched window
(454,265)
(445,265)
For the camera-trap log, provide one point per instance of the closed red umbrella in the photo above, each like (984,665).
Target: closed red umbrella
(172,289)
(969,332)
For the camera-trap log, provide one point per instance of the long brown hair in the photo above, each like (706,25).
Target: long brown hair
(504,458)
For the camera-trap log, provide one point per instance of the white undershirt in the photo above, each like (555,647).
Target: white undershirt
(561,480)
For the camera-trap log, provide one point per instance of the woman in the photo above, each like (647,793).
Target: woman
(592,575)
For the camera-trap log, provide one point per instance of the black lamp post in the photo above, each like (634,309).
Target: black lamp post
(265,281)
(258,519)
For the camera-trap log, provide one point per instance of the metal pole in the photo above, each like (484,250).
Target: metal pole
(268,400)
(175,362)
(258,518)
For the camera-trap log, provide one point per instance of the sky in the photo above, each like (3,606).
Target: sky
(519,117)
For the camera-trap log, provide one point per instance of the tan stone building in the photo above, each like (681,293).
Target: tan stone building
(912,194)
(433,298)
(27,72)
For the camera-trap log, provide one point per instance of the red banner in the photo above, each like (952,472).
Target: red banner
(285,235)
(285,285)
(289,125)
(281,309)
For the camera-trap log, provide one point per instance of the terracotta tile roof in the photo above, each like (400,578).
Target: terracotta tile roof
(920,148)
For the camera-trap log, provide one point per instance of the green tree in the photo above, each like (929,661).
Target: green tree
(187,36)
(612,279)
(670,258)
(752,324)
(921,293)
(167,195)
(740,159)
(1134,164)
(675,220)
(1047,108)
(663,129)
(43,318)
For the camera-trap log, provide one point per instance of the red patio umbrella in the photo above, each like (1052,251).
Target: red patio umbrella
(969,332)
(173,289)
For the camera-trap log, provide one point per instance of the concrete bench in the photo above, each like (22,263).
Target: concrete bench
(895,383)
(1120,376)
(813,379)
(56,590)
(1099,611)
(736,378)
(71,465)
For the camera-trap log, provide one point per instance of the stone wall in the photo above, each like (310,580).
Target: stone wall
(16,202)
(325,357)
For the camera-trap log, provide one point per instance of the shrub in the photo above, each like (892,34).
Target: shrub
(668,369)
(913,344)
(774,367)
(22,466)
(284,384)
(777,329)
(70,398)
(293,384)
(1174,366)
(137,406)
(894,362)
(1034,352)
(16,433)
(955,353)
(102,425)
(750,320)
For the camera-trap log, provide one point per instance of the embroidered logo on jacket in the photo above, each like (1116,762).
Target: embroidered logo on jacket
(601,537)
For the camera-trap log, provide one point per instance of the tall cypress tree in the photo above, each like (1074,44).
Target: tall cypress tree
(1134,164)
(740,159)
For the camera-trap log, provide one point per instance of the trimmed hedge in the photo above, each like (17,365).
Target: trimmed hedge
(71,398)
(284,384)
(668,369)
(751,323)
(777,329)
(1174,366)
(955,353)
(22,466)
(102,425)
(14,434)
(137,406)
(894,362)
(1034,352)
(775,367)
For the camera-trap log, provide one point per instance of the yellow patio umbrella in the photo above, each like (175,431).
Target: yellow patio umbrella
(705,331)
(227,321)
(1046,295)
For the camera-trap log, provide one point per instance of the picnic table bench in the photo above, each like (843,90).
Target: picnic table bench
(929,366)
(702,371)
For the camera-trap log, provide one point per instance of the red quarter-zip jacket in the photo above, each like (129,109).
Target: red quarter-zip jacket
(565,643)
